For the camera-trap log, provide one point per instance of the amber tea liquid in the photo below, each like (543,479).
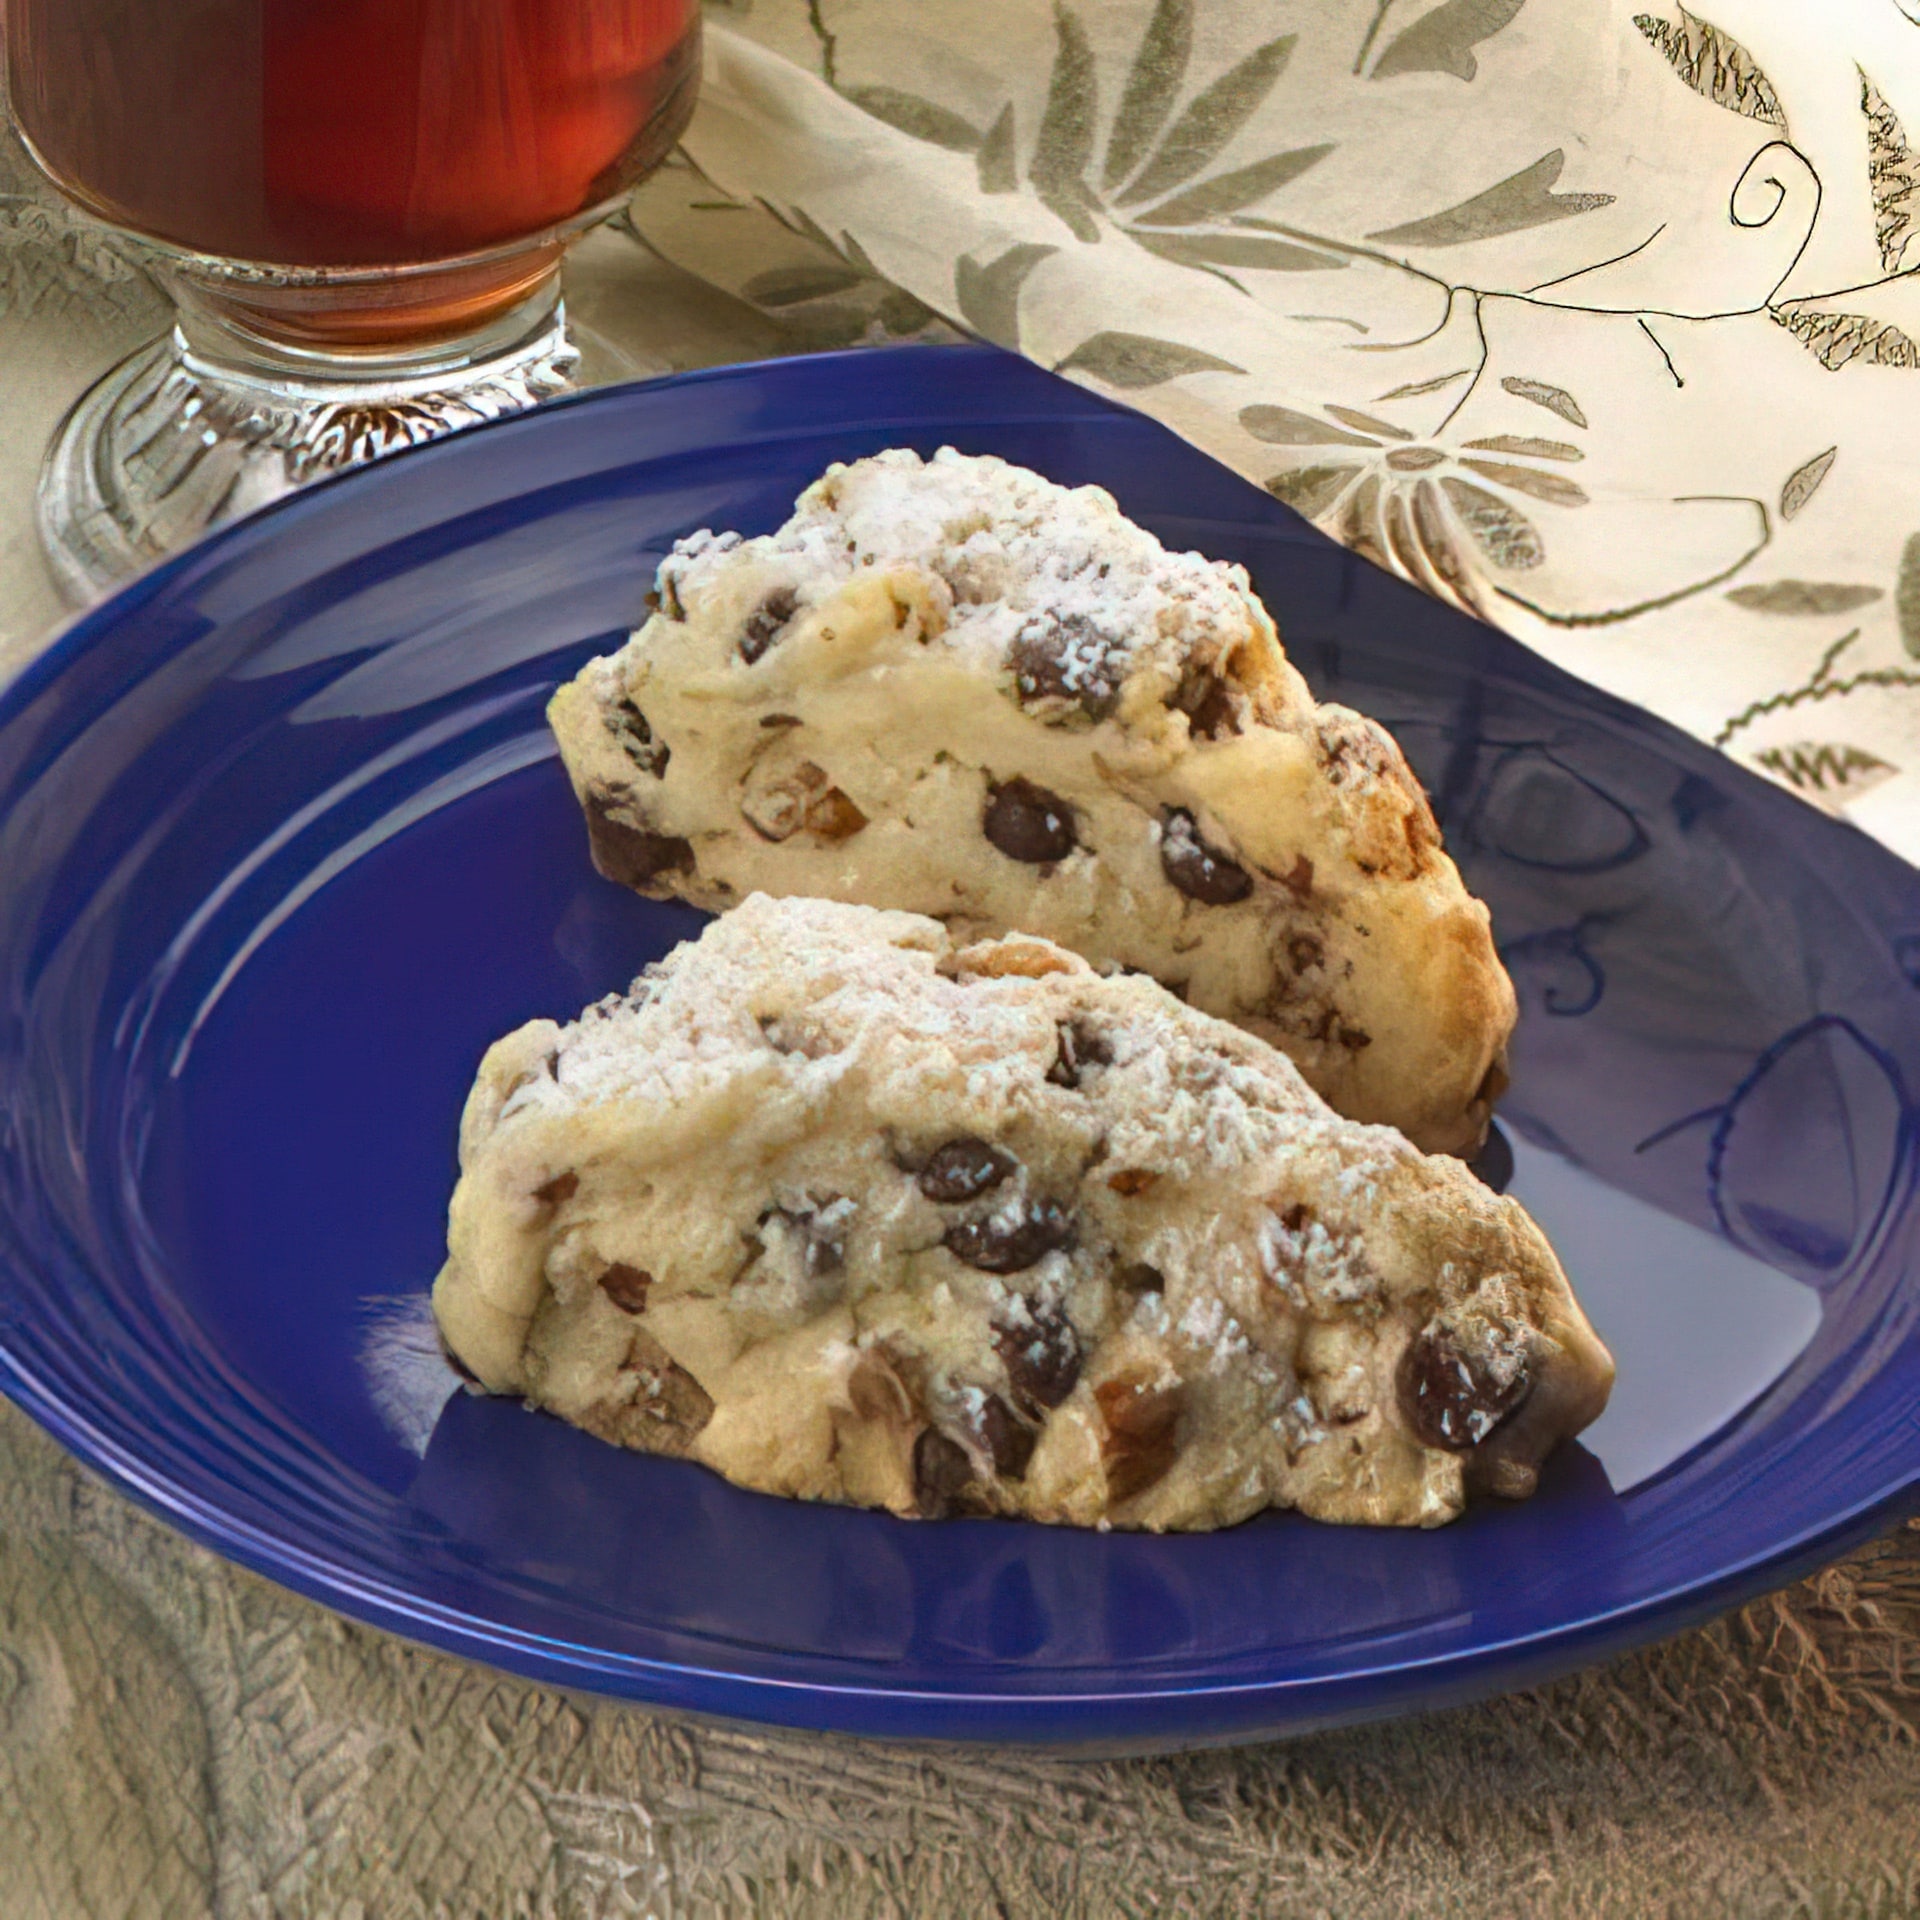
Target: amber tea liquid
(354,133)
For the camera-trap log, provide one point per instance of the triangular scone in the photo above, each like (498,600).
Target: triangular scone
(955,688)
(848,1212)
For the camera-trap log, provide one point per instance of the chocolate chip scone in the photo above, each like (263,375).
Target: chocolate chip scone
(954,688)
(847,1211)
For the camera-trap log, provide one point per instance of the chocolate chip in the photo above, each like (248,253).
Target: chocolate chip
(1041,1352)
(1068,658)
(557,1191)
(1142,1416)
(1493,1083)
(1306,950)
(766,621)
(1137,1278)
(1131,1180)
(1079,1047)
(1454,1393)
(1000,1433)
(1198,870)
(634,737)
(777,720)
(631,855)
(1207,702)
(1013,1239)
(1296,1216)
(626,1286)
(1353,1039)
(667,596)
(1028,823)
(1492,1166)
(942,1472)
(963,1169)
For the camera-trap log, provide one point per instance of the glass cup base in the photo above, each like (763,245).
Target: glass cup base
(210,421)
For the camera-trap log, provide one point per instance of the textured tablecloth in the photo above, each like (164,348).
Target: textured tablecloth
(180,1739)
(1599,318)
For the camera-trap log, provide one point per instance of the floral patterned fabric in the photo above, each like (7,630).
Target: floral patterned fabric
(1602,323)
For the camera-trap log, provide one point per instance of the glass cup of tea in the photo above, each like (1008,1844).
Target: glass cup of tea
(359,208)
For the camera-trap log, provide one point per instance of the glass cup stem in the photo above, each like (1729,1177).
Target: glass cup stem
(213,420)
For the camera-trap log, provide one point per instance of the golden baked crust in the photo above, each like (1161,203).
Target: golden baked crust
(954,688)
(846,1210)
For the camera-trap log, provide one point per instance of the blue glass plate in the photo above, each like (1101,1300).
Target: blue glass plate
(284,844)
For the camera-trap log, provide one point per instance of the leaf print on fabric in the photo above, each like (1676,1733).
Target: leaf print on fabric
(1819,686)
(1310,490)
(1153,84)
(1229,192)
(1366,423)
(1441,530)
(840,299)
(1553,487)
(1523,199)
(1133,360)
(851,249)
(799,220)
(1414,388)
(1893,177)
(1443,41)
(1714,65)
(1525,443)
(1803,596)
(1503,533)
(1804,481)
(1837,340)
(1235,250)
(790,286)
(925,120)
(1449,574)
(1554,399)
(1065,144)
(824,328)
(995,161)
(1906,595)
(1380,11)
(1211,119)
(1826,772)
(1282,427)
(989,297)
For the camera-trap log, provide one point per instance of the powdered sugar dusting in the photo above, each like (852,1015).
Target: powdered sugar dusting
(798,989)
(1028,564)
